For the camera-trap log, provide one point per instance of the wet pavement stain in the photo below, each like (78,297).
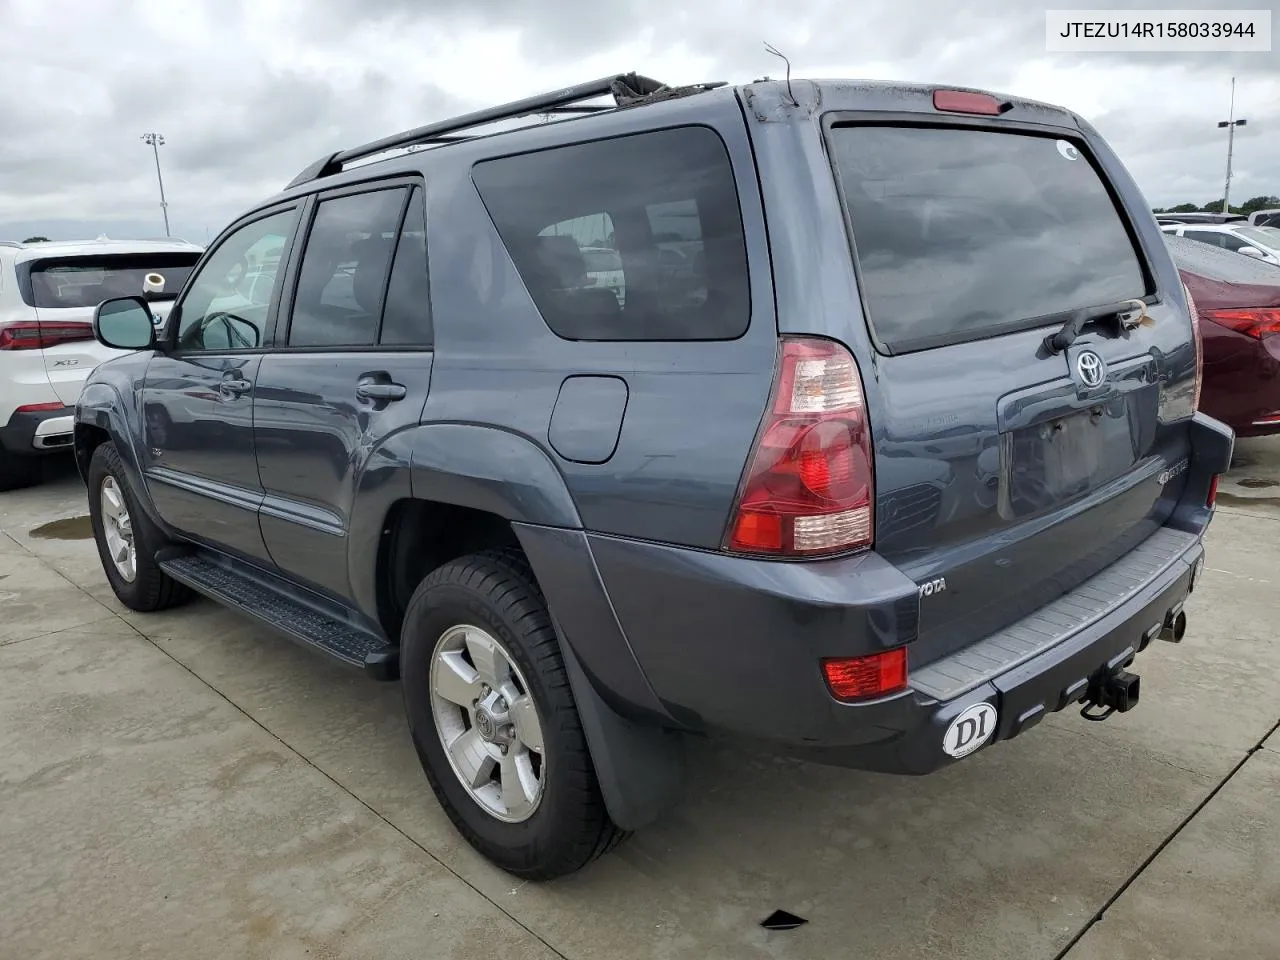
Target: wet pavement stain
(1255,484)
(69,528)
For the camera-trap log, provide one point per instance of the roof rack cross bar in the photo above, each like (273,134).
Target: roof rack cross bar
(625,88)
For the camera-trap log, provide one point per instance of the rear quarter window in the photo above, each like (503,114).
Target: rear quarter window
(962,234)
(634,238)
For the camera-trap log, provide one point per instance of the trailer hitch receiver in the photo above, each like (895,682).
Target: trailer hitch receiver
(1109,692)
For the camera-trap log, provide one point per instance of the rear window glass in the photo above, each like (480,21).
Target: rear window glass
(87,281)
(1214,263)
(635,238)
(962,234)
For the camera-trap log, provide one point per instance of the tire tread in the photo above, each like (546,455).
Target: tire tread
(152,589)
(506,581)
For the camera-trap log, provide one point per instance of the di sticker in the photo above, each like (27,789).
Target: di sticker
(1068,150)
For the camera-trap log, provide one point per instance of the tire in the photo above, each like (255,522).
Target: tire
(18,471)
(150,588)
(495,592)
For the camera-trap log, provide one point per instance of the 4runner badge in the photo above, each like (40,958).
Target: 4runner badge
(970,730)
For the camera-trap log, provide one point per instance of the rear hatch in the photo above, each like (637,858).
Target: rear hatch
(1009,470)
(65,291)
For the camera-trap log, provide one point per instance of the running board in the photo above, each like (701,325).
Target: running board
(299,621)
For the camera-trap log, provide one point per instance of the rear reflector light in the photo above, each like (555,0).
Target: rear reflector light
(1198,338)
(40,407)
(860,678)
(35,335)
(807,490)
(1212,498)
(1257,323)
(962,101)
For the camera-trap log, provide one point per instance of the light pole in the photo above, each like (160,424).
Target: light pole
(1231,136)
(155,141)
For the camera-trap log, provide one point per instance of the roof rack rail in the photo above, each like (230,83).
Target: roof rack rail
(12,243)
(628,89)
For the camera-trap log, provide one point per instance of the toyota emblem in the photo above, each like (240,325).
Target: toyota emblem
(1090,367)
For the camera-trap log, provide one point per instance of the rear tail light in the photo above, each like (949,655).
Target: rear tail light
(1212,497)
(1199,342)
(1257,322)
(40,407)
(36,335)
(963,101)
(861,678)
(808,487)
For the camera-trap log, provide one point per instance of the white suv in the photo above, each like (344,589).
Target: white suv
(48,292)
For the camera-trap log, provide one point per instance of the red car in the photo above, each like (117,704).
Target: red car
(1238,302)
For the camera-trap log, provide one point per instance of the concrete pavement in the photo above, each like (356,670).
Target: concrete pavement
(188,784)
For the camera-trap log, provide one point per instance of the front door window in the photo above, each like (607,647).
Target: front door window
(226,305)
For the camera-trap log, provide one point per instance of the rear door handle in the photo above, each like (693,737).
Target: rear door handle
(372,390)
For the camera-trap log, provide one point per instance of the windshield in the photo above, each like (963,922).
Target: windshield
(87,281)
(962,234)
(1215,263)
(1267,236)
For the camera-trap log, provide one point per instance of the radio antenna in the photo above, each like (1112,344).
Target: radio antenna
(770,48)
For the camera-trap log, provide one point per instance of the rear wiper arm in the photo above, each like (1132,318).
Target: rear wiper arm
(1127,313)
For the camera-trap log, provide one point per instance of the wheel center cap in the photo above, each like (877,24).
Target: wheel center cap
(485,724)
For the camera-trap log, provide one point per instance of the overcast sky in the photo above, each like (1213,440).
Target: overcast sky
(248,92)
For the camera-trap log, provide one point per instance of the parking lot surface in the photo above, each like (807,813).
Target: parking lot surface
(190,785)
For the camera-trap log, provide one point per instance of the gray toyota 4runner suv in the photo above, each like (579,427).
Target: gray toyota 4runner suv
(880,445)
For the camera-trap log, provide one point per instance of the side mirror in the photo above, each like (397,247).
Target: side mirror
(1252,252)
(124,324)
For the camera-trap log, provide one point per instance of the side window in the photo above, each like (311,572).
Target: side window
(226,303)
(343,275)
(596,245)
(635,238)
(1232,242)
(1206,236)
(406,318)
(677,230)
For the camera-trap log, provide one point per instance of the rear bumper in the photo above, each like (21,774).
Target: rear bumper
(733,645)
(755,674)
(1022,696)
(38,431)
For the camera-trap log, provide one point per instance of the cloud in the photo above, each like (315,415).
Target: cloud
(247,92)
